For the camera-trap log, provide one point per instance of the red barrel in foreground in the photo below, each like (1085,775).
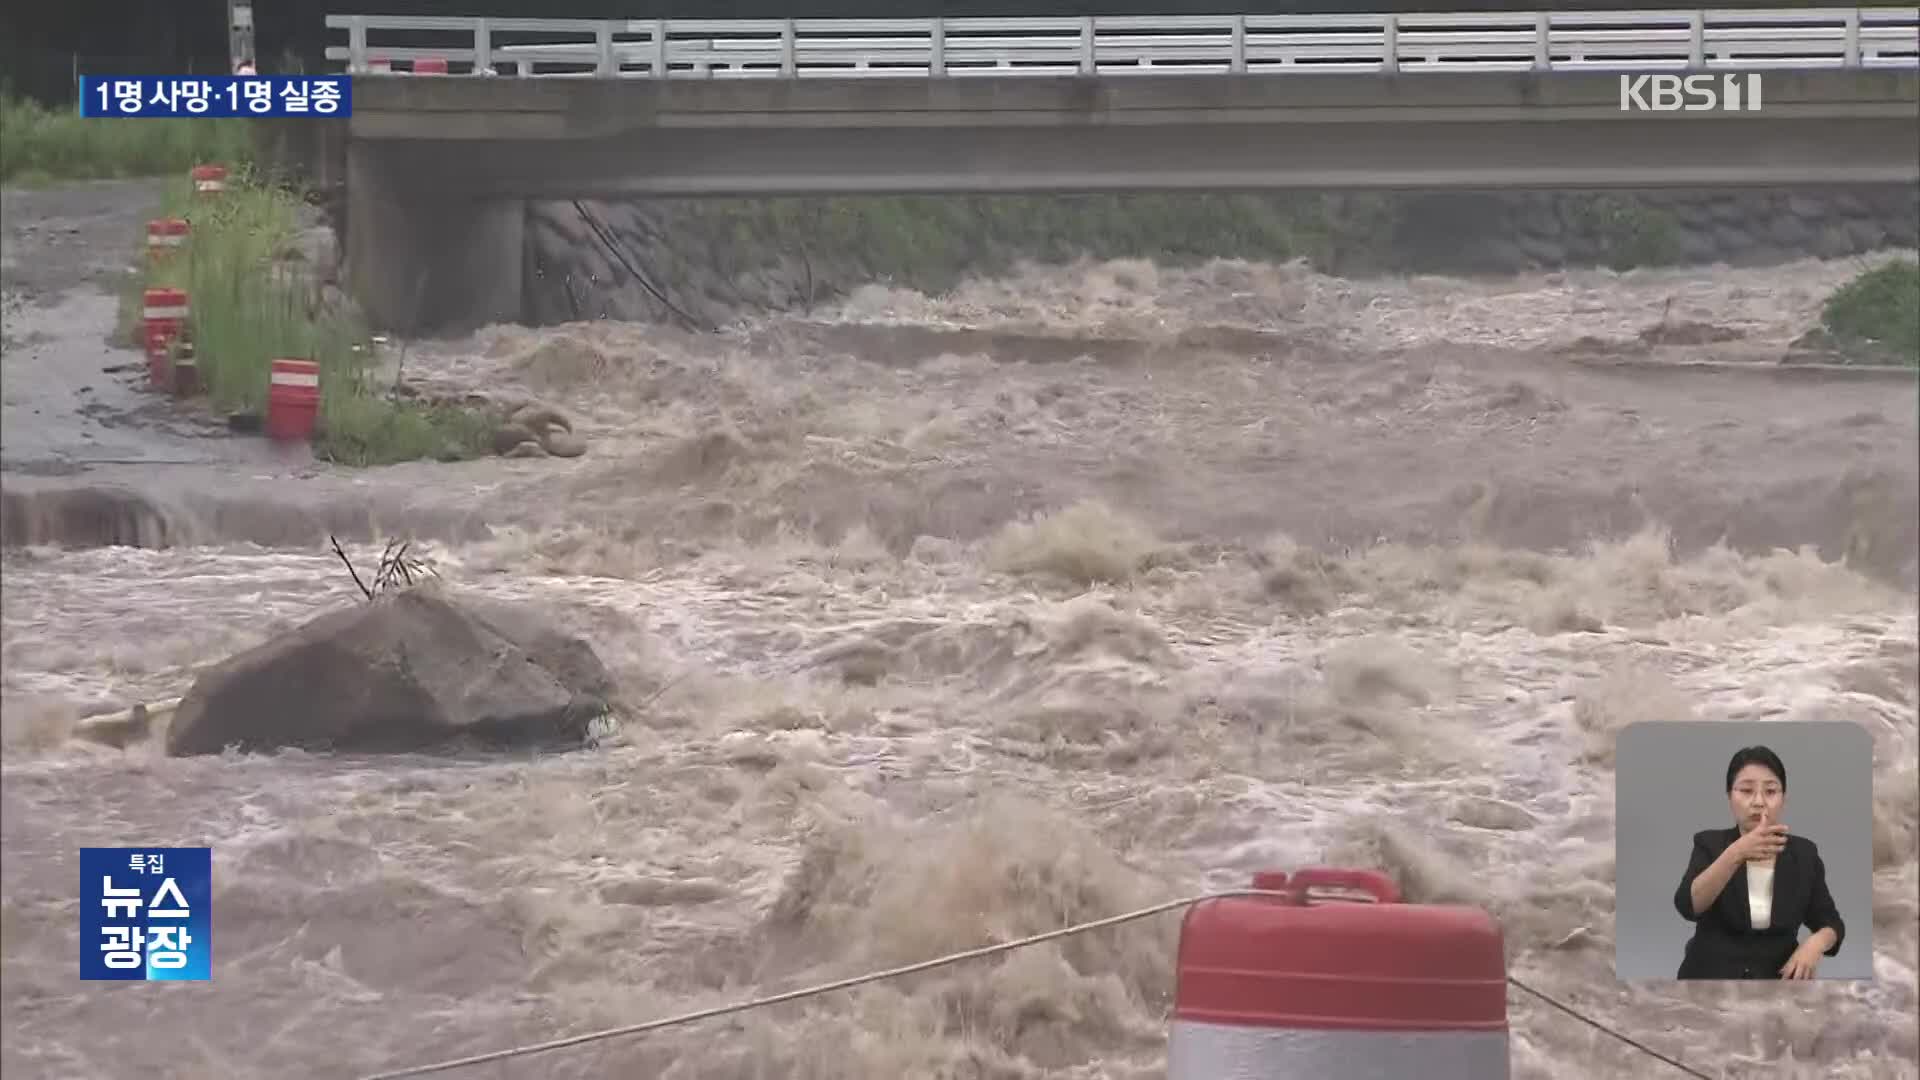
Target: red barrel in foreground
(430,66)
(1273,988)
(165,237)
(293,399)
(164,314)
(209,179)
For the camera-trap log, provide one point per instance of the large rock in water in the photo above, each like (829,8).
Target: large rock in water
(408,671)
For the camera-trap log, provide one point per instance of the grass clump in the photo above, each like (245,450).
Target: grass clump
(44,145)
(1631,235)
(1880,311)
(251,302)
(246,309)
(361,429)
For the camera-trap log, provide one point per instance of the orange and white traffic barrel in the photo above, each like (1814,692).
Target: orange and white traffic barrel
(1292,986)
(293,399)
(430,66)
(165,237)
(164,316)
(209,179)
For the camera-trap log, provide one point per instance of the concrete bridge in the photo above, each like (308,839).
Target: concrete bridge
(448,138)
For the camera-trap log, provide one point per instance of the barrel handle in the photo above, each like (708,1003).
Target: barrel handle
(1372,882)
(1270,881)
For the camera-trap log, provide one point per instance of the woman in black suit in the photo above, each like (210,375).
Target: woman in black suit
(1749,889)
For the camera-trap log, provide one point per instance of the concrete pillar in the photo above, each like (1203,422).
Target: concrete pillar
(422,259)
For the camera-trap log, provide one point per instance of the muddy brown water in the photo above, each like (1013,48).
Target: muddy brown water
(958,618)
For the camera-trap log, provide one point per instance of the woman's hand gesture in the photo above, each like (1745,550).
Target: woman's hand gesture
(1804,962)
(1763,841)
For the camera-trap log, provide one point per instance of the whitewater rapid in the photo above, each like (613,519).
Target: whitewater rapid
(956,618)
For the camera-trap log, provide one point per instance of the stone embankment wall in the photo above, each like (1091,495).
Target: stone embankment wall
(702,260)
(1517,231)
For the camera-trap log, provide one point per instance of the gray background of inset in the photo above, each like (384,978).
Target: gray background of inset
(1670,782)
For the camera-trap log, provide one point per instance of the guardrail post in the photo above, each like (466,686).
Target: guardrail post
(659,48)
(1239,63)
(1853,38)
(1697,40)
(1543,41)
(1390,42)
(789,63)
(937,59)
(357,44)
(240,58)
(603,37)
(1086,45)
(482,47)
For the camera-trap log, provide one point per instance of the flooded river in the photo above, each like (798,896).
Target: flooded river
(957,618)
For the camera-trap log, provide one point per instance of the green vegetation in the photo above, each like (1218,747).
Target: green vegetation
(1631,235)
(362,429)
(931,242)
(43,145)
(1879,311)
(250,304)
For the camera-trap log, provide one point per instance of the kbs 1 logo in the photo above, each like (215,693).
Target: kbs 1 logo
(1690,93)
(146,914)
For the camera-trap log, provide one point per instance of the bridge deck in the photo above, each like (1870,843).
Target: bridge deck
(441,111)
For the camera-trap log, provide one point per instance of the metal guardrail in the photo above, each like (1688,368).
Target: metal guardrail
(1867,38)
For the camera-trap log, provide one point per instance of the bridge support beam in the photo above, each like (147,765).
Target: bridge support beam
(422,260)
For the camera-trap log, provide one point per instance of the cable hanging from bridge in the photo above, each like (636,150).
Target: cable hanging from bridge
(606,237)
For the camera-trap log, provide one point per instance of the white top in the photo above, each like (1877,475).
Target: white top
(1760,895)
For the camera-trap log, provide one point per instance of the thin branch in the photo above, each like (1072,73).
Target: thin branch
(337,550)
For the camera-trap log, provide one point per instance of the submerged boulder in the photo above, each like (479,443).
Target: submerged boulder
(407,671)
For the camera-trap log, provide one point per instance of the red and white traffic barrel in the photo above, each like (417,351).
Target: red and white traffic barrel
(165,237)
(379,65)
(430,66)
(164,316)
(1290,986)
(293,400)
(209,179)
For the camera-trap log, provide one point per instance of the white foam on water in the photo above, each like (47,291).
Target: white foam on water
(942,648)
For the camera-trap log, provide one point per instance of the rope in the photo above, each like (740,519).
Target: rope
(928,965)
(606,237)
(1640,1046)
